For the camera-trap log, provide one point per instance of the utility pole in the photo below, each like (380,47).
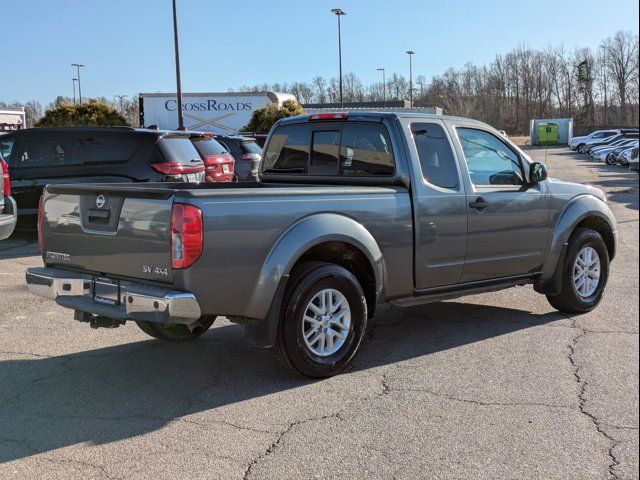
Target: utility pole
(78,66)
(177,55)
(74,90)
(411,53)
(384,87)
(338,13)
(604,74)
(121,97)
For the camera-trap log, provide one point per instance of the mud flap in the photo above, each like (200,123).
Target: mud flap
(262,333)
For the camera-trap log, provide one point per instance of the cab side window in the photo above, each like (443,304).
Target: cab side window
(489,161)
(436,157)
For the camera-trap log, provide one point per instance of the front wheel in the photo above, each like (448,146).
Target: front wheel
(610,160)
(323,320)
(177,332)
(585,273)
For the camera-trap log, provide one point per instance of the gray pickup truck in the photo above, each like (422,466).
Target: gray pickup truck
(351,210)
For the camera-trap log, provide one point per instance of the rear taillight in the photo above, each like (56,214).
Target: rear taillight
(186,235)
(176,168)
(4,169)
(211,162)
(250,156)
(41,223)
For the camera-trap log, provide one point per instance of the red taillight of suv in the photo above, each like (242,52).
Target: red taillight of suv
(176,168)
(219,168)
(41,223)
(4,168)
(186,235)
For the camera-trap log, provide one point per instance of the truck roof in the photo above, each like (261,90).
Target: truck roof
(375,116)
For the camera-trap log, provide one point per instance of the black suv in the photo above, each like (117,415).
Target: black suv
(247,154)
(42,156)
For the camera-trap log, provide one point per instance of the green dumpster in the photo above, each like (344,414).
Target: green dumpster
(548,134)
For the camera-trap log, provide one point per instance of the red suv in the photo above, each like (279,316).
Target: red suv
(219,165)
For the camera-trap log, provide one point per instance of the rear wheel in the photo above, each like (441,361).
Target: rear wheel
(585,273)
(323,320)
(177,332)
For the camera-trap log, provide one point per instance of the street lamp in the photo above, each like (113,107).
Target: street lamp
(78,66)
(384,87)
(410,53)
(74,90)
(177,55)
(338,13)
(121,97)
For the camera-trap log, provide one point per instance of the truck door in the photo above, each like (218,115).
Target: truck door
(508,221)
(440,213)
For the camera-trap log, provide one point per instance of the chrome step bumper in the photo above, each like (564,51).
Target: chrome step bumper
(133,301)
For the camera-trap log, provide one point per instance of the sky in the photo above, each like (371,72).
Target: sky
(127,45)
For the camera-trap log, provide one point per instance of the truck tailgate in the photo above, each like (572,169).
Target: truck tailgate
(109,230)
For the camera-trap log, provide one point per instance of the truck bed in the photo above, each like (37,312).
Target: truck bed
(242,224)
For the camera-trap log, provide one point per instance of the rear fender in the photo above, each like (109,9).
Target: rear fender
(267,295)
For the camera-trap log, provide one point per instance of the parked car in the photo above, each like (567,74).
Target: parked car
(624,157)
(247,154)
(601,153)
(613,157)
(41,156)
(589,146)
(352,209)
(219,165)
(576,142)
(8,209)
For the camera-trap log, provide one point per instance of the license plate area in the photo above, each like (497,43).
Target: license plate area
(106,291)
(225,168)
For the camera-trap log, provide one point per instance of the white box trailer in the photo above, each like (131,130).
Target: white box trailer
(12,119)
(222,113)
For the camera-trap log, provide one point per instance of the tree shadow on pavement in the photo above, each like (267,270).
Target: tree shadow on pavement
(120,392)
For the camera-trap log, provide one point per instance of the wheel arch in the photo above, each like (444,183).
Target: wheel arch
(585,211)
(318,237)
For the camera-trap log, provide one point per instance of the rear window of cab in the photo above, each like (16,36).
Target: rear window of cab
(330,149)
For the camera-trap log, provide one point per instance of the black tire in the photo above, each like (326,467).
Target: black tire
(609,160)
(306,281)
(569,301)
(177,332)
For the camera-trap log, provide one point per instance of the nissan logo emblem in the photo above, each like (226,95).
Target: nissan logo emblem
(100,201)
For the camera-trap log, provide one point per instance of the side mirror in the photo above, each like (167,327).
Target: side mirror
(537,173)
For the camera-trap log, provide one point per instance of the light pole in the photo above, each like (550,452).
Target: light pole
(78,66)
(338,13)
(384,87)
(177,55)
(74,90)
(411,53)
(121,97)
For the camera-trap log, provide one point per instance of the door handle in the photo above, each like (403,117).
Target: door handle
(479,204)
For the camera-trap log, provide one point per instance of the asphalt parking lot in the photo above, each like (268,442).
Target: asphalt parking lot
(491,386)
